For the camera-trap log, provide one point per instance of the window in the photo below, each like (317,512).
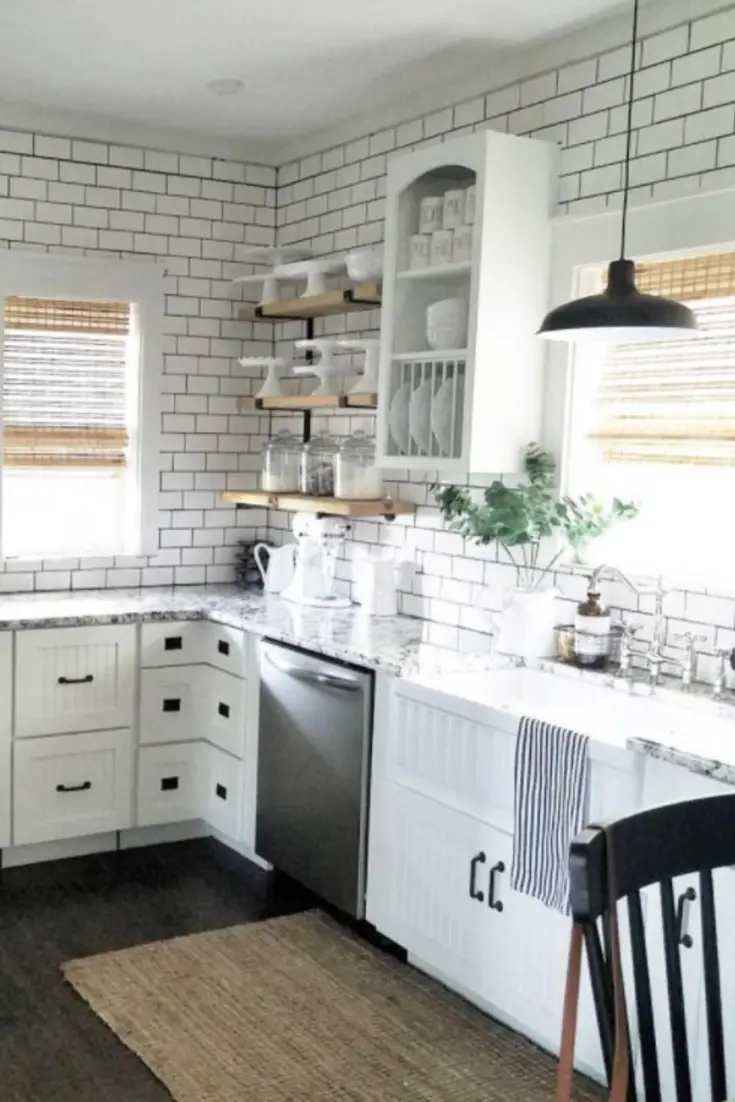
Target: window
(656,423)
(78,470)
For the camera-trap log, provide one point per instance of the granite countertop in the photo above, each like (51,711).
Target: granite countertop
(395,644)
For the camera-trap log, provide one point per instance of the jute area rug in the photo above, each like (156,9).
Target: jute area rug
(297,1009)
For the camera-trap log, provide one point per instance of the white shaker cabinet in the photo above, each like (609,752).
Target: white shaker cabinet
(74,679)
(467,396)
(70,785)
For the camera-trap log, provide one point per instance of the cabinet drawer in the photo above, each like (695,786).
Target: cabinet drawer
(225,648)
(173,643)
(168,704)
(74,679)
(71,785)
(222,716)
(167,777)
(220,790)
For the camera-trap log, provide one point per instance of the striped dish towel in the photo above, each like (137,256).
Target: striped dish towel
(551,794)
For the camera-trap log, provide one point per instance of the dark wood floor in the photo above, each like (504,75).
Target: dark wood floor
(52,1047)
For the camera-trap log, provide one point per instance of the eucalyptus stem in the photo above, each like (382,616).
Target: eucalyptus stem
(547,568)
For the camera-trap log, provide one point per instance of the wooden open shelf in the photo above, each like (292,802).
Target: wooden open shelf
(363,296)
(299,403)
(331,506)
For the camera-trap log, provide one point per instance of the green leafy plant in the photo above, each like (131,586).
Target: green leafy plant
(521,517)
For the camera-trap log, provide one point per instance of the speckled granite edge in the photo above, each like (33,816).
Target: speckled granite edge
(695,763)
(395,644)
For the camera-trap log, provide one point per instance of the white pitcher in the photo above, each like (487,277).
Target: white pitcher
(278,571)
(526,624)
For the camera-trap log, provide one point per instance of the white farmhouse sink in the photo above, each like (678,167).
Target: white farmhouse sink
(594,708)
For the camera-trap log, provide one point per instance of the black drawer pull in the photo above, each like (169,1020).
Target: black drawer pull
(474,893)
(172,704)
(224,710)
(221,791)
(222,647)
(87,680)
(173,642)
(169,784)
(495,904)
(83,787)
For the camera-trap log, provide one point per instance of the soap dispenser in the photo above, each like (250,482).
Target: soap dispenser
(592,632)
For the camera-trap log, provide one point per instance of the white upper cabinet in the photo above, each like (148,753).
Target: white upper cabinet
(462,393)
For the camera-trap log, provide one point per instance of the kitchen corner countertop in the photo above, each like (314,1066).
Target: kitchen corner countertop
(394,644)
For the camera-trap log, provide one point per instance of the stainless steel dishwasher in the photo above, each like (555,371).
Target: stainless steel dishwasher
(313,771)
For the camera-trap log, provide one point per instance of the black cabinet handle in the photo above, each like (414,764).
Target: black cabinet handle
(495,904)
(171,704)
(222,647)
(221,791)
(173,642)
(224,710)
(169,784)
(478,859)
(689,896)
(76,680)
(83,787)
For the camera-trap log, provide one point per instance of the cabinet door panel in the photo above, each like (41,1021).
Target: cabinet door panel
(220,784)
(419,881)
(71,785)
(167,783)
(222,715)
(169,699)
(74,679)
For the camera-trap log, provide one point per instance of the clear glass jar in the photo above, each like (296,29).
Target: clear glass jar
(318,459)
(357,475)
(281,464)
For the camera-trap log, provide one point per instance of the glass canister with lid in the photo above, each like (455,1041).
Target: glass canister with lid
(281,464)
(357,474)
(318,460)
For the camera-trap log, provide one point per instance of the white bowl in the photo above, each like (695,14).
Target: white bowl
(446,311)
(442,337)
(365,264)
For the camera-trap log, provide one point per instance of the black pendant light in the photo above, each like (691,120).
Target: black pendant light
(621,314)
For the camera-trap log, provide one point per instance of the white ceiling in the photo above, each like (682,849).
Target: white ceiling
(307,64)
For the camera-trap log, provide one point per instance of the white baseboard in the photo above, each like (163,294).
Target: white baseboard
(242,848)
(14,856)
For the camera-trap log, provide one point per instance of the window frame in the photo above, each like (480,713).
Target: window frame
(45,275)
(581,245)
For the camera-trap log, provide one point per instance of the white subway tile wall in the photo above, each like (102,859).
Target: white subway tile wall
(684,121)
(194,216)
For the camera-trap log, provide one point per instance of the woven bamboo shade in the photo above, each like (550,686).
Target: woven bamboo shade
(64,383)
(672,401)
(689,279)
(67,315)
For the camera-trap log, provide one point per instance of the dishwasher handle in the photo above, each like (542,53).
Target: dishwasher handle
(313,677)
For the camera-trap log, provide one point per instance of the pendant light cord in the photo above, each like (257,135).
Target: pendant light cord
(629,132)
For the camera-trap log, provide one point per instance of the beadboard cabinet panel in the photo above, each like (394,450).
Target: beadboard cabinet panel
(74,679)
(66,786)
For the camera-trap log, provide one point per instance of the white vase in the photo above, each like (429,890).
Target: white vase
(526,624)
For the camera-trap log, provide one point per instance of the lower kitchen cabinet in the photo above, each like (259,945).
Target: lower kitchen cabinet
(66,786)
(220,783)
(167,783)
(439,885)
(6,730)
